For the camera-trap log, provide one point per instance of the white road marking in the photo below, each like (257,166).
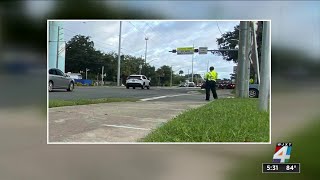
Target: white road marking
(128,127)
(161,97)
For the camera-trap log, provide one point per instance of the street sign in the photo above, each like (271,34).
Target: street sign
(185,50)
(235,69)
(203,50)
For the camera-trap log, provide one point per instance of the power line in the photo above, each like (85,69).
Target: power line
(137,28)
(219,28)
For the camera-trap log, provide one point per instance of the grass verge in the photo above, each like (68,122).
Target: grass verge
(304,150)
(59,103)
(224,120)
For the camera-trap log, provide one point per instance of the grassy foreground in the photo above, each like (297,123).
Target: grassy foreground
(224,120)
(59,103)
(305,148)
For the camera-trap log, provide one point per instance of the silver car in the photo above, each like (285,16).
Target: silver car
(59,80)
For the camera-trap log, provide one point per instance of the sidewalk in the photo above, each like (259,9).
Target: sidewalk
(112,122)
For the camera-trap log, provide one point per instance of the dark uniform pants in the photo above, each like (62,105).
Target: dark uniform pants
(211,85)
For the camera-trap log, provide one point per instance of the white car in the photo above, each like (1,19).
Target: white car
(137,81)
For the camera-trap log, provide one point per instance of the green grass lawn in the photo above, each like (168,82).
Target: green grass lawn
(305,150)
(224,120)
(59,103)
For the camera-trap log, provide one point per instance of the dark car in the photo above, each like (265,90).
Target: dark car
(231,86)
(253,90)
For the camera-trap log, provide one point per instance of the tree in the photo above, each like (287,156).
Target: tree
(229,40)
(180,72)
(80,54)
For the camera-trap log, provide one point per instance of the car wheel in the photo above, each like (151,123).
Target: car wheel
(148,87)
(133,87)
(127,87)
(50,86)
(253,93)
(71,87)
(143,86)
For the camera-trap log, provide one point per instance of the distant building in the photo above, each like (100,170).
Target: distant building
(56,45)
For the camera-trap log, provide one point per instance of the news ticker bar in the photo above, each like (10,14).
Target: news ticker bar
(280,167)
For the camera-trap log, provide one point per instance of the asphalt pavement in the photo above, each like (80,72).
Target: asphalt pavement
(122,92)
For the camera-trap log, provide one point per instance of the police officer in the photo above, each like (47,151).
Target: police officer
(211,78)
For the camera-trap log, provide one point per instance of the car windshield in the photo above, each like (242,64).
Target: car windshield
(134,77)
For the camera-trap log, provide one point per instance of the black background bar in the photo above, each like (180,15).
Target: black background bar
(280,167)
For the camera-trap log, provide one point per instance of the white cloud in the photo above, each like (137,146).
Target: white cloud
(163,36)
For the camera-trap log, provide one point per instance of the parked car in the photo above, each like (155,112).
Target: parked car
(191,84)
(59,80)
(253,90)
(138,81)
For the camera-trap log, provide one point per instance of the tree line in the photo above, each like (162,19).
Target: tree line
(81,55)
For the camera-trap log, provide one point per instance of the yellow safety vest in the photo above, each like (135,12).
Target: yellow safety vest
(211,76)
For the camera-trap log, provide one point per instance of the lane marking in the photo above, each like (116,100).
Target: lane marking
(128,127)
(161,97)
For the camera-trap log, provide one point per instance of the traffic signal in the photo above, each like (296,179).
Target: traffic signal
(174,51)
(196,50)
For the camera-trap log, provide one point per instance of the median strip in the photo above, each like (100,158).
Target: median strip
(60,103)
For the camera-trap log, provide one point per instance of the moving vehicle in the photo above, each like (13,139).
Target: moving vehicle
(59,80)
(138,81)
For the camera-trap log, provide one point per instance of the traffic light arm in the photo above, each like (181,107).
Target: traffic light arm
(197,50)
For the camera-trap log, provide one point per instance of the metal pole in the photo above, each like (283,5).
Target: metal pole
(102,76)
(242,58)
(171,78)
(118,76)
(256,52)
(86,73)
(265,67)
(57,62)
(192,65)
(145,55)
(247,61)
(188,75)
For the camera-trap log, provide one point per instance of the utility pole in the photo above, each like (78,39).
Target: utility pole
(87,72)
(58,39)
(188,75)
(265,67)
(192,64)
(171,78)
(145,55)
(242,89)
(255,54)
(102,75)
(140,67)
(247,61)
(118,76)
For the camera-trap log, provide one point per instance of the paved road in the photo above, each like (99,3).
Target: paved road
(122,92)
(121,122)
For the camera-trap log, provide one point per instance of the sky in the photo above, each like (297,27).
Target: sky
(163,36)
